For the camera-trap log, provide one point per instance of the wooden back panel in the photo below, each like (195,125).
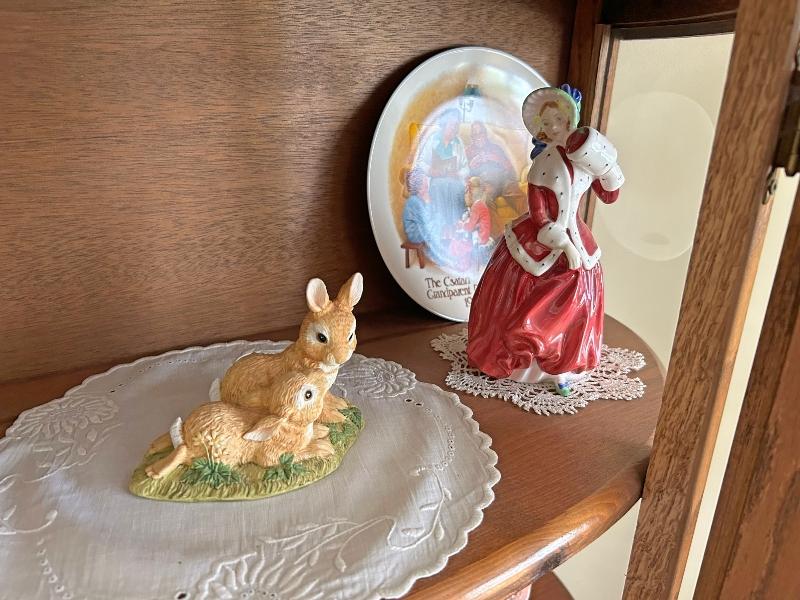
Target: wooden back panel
(174,173)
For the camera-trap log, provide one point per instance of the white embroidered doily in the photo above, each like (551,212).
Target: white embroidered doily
(406,495)
(608,381)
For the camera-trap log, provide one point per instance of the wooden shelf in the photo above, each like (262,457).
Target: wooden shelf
(549,587)
(565,479)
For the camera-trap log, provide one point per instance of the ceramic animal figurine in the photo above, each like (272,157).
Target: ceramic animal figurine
(327,340)
(234,435)
(537,313)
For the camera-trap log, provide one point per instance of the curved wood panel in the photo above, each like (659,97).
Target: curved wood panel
(549,587)
(174,173)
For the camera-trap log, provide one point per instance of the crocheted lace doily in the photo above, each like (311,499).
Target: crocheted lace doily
(609,381)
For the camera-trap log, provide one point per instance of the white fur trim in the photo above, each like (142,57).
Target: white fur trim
(612,179)
(549,170)
(176,433)
(525,260)
(596,155)
(553,236)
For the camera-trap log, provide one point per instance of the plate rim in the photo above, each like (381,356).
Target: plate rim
(381,123)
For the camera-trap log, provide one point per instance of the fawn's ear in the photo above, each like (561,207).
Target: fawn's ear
(264,429)
(316,295)
(350,292)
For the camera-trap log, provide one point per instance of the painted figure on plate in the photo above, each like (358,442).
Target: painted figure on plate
(472,242)
(488,160)
(459,195)
(443,159)
(422,222)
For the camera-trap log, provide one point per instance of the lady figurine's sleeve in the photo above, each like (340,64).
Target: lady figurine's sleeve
(607,185)
(538,201)
(542,203)
(591,150)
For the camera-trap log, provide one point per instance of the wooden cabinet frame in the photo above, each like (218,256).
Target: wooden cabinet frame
(728,240)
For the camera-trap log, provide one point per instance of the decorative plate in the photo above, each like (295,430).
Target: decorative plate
(447,170)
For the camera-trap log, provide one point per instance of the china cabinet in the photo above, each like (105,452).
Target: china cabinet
(173,174)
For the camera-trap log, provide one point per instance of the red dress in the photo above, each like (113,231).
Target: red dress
(555,318)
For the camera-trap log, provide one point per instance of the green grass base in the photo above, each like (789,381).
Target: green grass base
(250,480)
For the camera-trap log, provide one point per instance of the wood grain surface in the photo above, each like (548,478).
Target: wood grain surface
(724,259)
(549,587)
(752,551)
(592,59)
(663,12)
(583,64)
(173,173)
(565,479)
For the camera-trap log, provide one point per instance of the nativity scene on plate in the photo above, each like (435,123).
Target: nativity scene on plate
(462,180)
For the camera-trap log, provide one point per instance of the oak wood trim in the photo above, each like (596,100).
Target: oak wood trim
(549,587)
(752,547)
(664,12)
(606,50)
(673,30)
(724,259)
(542,550)
(582,70)
(605,57)
(591,69)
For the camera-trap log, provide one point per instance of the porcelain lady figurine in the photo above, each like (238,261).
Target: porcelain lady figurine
(537,314)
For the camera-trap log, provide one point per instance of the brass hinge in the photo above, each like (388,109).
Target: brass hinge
(787,154)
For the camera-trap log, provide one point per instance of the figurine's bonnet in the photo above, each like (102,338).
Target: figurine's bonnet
(568,101)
